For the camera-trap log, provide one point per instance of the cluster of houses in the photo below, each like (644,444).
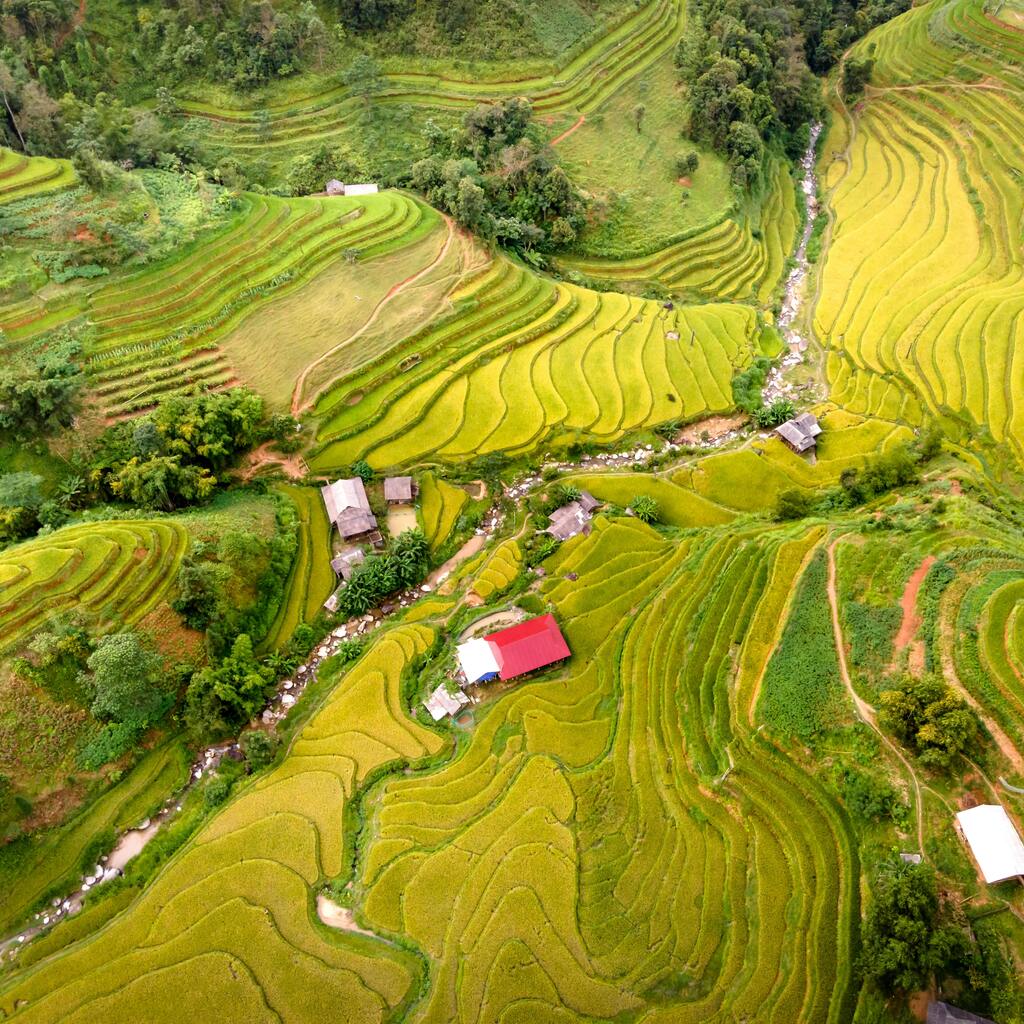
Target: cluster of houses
(508,654)
(348,510)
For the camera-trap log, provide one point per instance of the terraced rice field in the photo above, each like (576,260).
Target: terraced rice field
(924,279)
(311,580)
(582,859)
(117,571)
(624,50)
(156,332)
(522,362)
(440,505)
(227,928)
(24,176)
(498,570)
(724,261)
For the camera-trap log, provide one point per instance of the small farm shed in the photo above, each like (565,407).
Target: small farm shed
(573,518)
(345,563)
(348,508)
(943,1013)
(366,189)
(513,652)
(399,490)
(477,660)
(442,703)
(335,187)
(801,432)
(994,842)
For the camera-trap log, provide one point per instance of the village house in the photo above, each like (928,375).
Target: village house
(345,563)
(574,518)
(800,433)
(512,652)
(348,508)
(399,490)
(339,188)
(944,1013)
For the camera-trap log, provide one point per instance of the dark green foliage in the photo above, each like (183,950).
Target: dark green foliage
(310,172)
(801,692)
(905,939)
(58,658)
(868,797)
(932,719)
(539,549)
(645,508)
(404,564)
(222,698)
(687,164)
(779,411)
(37,392)
(793,504)
(170,458)
(217,790)
(20,501)
(114,740)
(363,470)
(495,179)
(871,629)
(856,74)
(748,384)
(127,681)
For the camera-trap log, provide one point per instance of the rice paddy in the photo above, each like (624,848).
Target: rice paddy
(522,362)
(924,278)
(24,176)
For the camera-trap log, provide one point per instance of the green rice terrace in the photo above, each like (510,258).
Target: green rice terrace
(511,513)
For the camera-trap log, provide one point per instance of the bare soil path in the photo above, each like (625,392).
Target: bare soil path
(908,602)
(865,712)
(298,405)
(568,131)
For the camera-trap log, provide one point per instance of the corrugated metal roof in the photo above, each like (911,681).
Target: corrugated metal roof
(477,659)
(528,646)
(343,494)
(398,488)
(994,841)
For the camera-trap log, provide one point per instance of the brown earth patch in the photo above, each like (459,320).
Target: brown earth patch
(908,602)
(685,181)
(714,426)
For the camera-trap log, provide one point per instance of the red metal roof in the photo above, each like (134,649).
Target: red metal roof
(528,646)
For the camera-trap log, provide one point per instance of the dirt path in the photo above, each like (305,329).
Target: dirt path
(298,407)
(293,466)
(865,712)
(568,131)
(77,19)
(908,602)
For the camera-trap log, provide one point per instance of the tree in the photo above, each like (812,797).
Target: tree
(932,719)
(793,504)
(687,164)
(126,681)
(219,700)
(638,116)
(411,553)
(363,78)
(38,393)
(20,500)
(856,74)
(779,411)
(362,469)
(645,508)
(259,749)
(905,941)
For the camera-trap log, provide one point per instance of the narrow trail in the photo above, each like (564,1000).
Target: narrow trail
(908,603)
(568,131)
(298,406)
(865,712)
(77,19)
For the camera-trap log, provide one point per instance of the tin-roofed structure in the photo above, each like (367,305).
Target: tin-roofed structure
(348,508)
(943,1013)
(994,842)
(800,433)
(399,490)
(513,652)
(574,518)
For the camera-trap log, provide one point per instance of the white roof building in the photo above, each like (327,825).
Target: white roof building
(366,189)
(994,841)
(442,703)
(476,658)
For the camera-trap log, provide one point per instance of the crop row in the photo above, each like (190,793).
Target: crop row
(925,274)
(730,260)
(440,505)
(226,929)
(593,75)
(593,364)
(116,571)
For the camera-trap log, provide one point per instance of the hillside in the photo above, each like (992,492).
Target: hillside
(574,575)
